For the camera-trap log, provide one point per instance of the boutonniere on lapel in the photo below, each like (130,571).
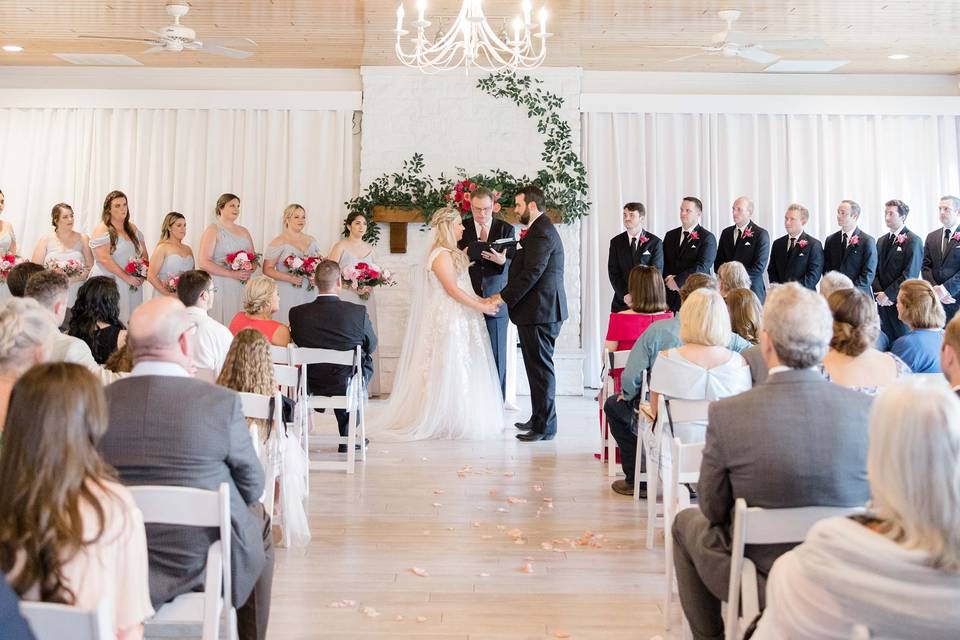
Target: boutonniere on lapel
(802,244)
(747,233)
(523,234)
(955,237)
(853,241)
(696,236)
(642,240)
(901,238)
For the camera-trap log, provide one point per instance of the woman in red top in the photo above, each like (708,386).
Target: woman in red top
(261,300)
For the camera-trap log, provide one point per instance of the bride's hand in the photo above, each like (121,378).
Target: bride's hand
(489,307)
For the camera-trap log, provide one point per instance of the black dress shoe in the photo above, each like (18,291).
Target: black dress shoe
(533,436)
(342,448)
(524,426)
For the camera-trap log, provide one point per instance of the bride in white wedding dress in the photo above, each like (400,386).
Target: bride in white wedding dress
(446,385)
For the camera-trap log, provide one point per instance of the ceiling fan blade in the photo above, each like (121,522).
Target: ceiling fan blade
(230,42)
(115,39)
(692,55)
(220,51)
(673,46)
(756,55)
(157,49)
(808,43)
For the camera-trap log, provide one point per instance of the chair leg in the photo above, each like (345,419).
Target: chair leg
(611,452)
(653,478)
(351,442)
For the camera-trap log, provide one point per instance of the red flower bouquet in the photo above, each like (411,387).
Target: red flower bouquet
(463,191)
(243,261)
(137,267)
(363,277)
(304,267)
(8,262)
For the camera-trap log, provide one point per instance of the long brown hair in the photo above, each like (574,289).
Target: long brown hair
(48,467)
(746,314)
(648,294)
(248,368)
(127,227)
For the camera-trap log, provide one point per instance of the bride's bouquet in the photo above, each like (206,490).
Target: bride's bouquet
(137,267)
(7,262)
(304,267)
(70,267)
(243,261)
(363,277)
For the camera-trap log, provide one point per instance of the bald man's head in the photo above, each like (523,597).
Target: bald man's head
(156,328)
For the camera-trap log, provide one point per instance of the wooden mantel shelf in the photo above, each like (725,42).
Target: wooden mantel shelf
(399,217)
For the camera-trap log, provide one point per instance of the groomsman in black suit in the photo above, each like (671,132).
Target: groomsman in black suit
(631,248)
(899,258)
(688,249)
(941,260)
(851,251)
(747,243)
(489,274)
(797,256)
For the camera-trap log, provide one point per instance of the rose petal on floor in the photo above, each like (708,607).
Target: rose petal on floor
(476,525)
(370,612)
(399,618)
(538,488)
(421,618)
(484,575)
(560,633)
(502,510)
(516,500)
(527,567)
(417,571)
(437,504)
(437,492)
(493,493)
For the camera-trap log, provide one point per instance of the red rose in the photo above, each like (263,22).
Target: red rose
(131,268)
(473,186)
(362,266)
(523,234)
(457,197)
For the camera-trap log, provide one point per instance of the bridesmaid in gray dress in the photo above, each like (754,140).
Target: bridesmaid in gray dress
(219,240)
(8,244)
(64,244)
(294,290)
(348,252)
(116,241)
(171,256)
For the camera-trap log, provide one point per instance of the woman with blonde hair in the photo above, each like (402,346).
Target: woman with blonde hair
(69,532)
(293,244)
(732,276)
(219,240)
(54,250)
(895,570)
(745,311)
(920,309)
(260,301)
(171,257)
(446,350)
(116,242)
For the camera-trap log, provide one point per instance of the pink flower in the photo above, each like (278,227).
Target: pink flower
(349,273)
(694,235)
(523,234)
(643,239)
(956,237)
(802,243)
(853,241)
(748,232)
(900,239)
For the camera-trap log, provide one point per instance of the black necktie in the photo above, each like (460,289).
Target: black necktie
(792,241)
(633,245)
(946,240)
(843,241)
(736,236)
(686,237)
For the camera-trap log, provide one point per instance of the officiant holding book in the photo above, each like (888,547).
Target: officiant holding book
(489,266)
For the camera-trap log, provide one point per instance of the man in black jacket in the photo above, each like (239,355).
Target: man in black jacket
(747,243)
(629,249)
(331,323)
(488,275)
(899,258)
(941,259)
(797,256)
(538,306)
(688,249)
(851,251)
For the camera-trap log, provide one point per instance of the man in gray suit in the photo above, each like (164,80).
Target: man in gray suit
(168,428)
(766,446)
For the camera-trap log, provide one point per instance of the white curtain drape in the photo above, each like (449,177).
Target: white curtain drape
(176,160)
(816,160)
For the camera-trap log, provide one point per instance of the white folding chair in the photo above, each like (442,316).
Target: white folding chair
(189,507)
(753,525)
(671,411)
(279,355)
(258,407)
(608,445)
(353,401)
(684,469)
(57,621)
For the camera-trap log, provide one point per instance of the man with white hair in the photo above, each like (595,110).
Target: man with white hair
(764,446)
(941,260)
(834,281)
(168,428)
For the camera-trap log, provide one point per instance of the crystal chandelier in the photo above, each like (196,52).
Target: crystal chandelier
(471,42)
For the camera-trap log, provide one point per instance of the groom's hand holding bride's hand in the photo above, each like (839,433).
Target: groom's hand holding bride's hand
(489,307)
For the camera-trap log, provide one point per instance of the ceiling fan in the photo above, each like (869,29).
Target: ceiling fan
(737,44)
(177,37)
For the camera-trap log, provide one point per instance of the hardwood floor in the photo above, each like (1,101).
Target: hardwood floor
(517,540)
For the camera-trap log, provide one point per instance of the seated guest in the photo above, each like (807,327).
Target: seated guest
(120,361)
(96,317)
(12,622)
(261,299)
(52,289)
(26,335)
(950,354)
(648,303)
(212,340)
(331,323)
(757,364)
(919,308)
(70,533)
(768,447)
(745,313)
(731,276)
(834,281)
(18,276)
(895,570)
(852,361)
(167,428)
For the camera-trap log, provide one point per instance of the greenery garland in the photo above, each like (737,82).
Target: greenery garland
(563,179)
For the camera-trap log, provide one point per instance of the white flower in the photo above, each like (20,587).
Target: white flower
(296,263)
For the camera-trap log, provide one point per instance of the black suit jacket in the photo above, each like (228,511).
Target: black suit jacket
(896,262)
(622,260)
(534,291)
(942,267)
(331,323)
(489,278)
(804,265)
(752,251)
(858,262)
(697,255)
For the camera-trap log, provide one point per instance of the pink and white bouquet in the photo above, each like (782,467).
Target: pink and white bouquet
(243,261)
(137,267)
(70,267)
(304,267)
(171,283)
(7,262)
(363,277)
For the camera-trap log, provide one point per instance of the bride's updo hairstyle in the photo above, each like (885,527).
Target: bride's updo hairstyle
(443,221)
(856,324)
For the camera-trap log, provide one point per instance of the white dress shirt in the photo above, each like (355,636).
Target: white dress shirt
(211,342)
(159,368)
(70,349)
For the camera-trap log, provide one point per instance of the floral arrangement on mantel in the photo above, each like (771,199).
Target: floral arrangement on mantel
(563,178)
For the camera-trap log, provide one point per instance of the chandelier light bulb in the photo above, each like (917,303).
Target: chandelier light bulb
(400,17)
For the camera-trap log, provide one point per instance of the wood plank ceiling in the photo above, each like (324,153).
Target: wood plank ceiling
(594,34)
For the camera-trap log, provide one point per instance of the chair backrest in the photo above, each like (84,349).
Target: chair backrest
(280,355)
(618,359)
(286,375)
(258,406)
(680,410)
(775,526)
(306,355)
(57,621)
(685,460)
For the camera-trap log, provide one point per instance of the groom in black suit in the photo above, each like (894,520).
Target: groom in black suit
(538,306)
(489,274)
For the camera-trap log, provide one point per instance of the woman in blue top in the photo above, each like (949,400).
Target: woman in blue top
(919,308)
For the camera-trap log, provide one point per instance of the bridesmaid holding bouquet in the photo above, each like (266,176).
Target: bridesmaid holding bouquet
(120,252)
(171,257)
(222,240)
(65,250)
(287,260)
